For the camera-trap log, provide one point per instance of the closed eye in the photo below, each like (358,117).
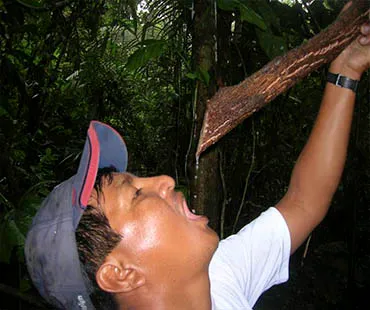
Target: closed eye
(137,193)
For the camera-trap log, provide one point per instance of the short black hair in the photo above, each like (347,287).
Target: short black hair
(95,240)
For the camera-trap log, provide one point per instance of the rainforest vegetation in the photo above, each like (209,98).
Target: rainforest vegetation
(147,68)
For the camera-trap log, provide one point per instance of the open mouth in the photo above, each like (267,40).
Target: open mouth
(191,214)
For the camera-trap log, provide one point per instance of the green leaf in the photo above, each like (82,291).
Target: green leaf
(3,112)
(269,15)
(327,5)
(32,4)
(5,201)
(26,212)
(246,13)
(204,75)
(149,50)
(200,74)
(227,5)
(6,248)
(250,16)
(25,285)
(192,75)
(272,45)
(10,237)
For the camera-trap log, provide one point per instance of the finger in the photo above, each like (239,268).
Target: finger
(364,40)
(365,29)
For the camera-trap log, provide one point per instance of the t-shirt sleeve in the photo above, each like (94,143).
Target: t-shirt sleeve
(257,257)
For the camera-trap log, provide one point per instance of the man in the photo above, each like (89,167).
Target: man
(134,241)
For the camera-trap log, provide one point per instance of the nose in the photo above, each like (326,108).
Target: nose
(165,184)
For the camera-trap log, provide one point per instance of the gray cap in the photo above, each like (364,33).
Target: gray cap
(50,249)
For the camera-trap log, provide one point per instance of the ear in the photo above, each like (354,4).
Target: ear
(115,278)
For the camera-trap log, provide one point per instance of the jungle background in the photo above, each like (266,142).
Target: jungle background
(142,67)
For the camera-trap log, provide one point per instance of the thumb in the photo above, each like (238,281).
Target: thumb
(365,34)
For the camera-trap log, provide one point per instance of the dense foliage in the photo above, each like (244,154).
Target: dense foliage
(129,63)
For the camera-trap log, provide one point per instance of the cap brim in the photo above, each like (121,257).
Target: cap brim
(104,147)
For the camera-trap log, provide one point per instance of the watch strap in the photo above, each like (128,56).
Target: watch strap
(342,81)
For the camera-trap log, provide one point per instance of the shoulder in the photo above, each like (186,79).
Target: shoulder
(251,261)
(270,224)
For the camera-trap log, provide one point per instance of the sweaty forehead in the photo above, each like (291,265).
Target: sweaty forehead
(118,178)
(125,177)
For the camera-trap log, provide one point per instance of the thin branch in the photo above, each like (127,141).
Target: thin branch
(254,204)
(43,7)
(192,130)
(306,249)
(316,24)
(241,58)
(247,178)
(224,202)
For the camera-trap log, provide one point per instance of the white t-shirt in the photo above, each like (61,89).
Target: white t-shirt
(250,262)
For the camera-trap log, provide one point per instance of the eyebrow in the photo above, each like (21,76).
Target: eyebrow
(126,178)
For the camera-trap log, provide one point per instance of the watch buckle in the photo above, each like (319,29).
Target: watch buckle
(337,81)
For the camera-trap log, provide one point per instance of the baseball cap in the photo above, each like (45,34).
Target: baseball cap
(50,249)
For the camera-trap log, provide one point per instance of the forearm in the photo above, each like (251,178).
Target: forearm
(318,170)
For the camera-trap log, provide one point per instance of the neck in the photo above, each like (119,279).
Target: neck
(182,296)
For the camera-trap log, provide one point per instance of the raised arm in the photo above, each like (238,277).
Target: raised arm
(318,170)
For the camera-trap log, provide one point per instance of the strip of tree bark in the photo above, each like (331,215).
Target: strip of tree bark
(231,105)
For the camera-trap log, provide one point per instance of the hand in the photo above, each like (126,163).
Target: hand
(355,58)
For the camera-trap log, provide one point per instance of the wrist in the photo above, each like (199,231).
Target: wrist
(342,81)
(345,71)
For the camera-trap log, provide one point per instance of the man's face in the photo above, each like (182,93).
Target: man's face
(159,232)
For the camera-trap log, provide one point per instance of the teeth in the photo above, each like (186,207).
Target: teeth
(193,210)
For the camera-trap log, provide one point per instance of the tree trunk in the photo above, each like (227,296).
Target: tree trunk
(231,105)
(205,180)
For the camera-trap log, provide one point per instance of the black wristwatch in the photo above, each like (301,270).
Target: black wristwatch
(342,81)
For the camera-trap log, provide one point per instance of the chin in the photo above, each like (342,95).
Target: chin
(213,234)
(213,244)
